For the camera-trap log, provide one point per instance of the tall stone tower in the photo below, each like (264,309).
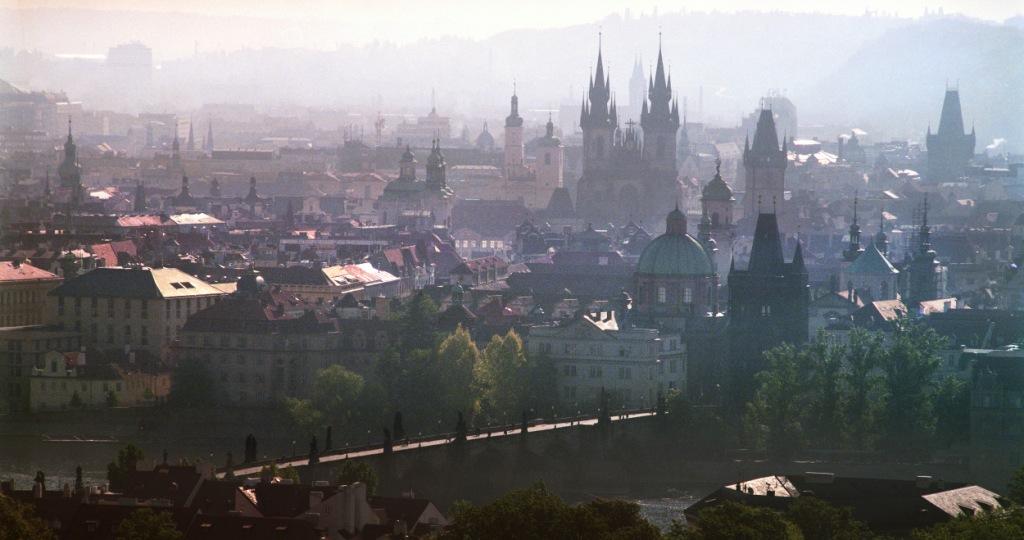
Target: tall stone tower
(717,202)
(768,305)
(514,152)
(70,171)
(949,149)
(924,271)
(437,178)
(549,162)
(764,167)
(660,121)
(598,120)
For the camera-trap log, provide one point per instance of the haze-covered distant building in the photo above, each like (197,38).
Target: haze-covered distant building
(950,148)
(629,174)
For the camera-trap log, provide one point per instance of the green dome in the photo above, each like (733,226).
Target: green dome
(674,255)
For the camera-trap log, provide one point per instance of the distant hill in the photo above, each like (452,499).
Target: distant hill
(883,74)
(897,80)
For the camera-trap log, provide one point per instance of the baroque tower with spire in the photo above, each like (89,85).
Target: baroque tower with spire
(628,174)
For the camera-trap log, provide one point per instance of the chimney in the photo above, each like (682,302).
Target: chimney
(16,262)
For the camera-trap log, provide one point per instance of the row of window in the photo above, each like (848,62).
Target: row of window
(484,244)
(19,297)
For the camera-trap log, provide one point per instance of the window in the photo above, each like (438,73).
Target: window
(569,371)
(127,308)
(766,310)
(94,305)
(672,366)
(60,305)
(625,373)
(687,295)
(78,306)
(662,296)
(596,372)
(144,335)
(145,308)
(110,333)
(547,158)
(127,332)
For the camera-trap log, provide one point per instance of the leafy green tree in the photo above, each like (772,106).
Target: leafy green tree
(359,471)
(418,322)
(779,409)
(952,412)
(146,524)
(734,521)
(826,396)
(335,396)
(457,358)
(861,385)
(193,385)
(304,414)
(1015,487)
(1000,525)
(269,472)
(909,366)
(127,460)
(818,520)
(18,522)
(537,513)
(503,376)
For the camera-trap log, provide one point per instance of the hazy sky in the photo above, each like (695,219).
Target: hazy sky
(361,21)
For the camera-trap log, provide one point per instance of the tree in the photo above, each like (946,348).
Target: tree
(457,358)
(193,385)
(358,471)
(819,520)
(18,521)
(146,524)
(730,521)
(779,409)
(502,376)
(418,321)
(952,412)
(825,399)
(909,364)
(269,472)
(76,400)
(111,399)
(1015,487)
(1000,525)
(537,513)
(127,460)
(861,386)
(336,392)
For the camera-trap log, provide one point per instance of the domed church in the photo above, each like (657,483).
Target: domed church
(675,278)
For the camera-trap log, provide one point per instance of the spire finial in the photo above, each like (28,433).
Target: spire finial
(514,86)
(69,125)
(718,166)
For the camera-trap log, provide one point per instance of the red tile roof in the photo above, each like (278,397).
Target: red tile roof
(9,271)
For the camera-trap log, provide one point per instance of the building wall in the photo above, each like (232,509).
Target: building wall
(632,370)
(24,303)
(111,323)
(21,350)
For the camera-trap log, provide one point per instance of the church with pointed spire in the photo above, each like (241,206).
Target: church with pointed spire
(425,203)
(950,148)
(629,173)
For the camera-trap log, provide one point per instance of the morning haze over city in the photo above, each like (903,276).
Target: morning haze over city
(511,270)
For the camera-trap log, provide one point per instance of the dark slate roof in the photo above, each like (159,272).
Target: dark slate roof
(766,138)
(560,205)
(294,275)
(872,262)
(766,251)
(717,190)
(490,219)
(141,283)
